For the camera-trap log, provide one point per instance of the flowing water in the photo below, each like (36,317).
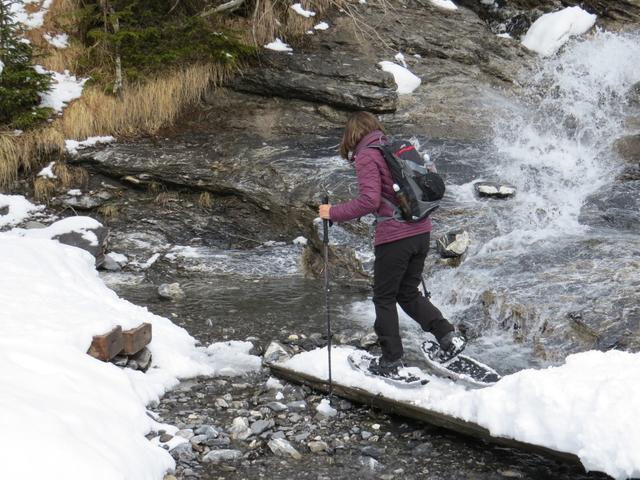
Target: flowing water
(542,278)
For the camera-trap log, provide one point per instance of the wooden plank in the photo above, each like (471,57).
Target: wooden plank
(409,410)
(105,347)
(136,339)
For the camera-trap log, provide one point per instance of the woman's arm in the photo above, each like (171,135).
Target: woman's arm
(369,189)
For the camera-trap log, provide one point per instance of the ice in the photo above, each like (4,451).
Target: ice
(407,82)
(586,406)
(279,46)
(552,30)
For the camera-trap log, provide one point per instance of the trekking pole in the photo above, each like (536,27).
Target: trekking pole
(325,227)
(427,293)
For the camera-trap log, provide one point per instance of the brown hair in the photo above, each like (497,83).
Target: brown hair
(358,125)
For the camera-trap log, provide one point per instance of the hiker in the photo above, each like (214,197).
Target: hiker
(400,247)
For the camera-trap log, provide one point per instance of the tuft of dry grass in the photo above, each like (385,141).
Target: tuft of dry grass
(205,200)
(109,211)
(43,189)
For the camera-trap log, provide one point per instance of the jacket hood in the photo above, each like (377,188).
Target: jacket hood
(376,137)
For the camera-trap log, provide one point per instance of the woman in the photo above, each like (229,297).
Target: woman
(400,248)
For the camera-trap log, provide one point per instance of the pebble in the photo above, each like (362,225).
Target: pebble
(281,447)
(373,452)
(219,456)
(365,435)
(221,403)
(260,426)
(240,428)
(207,430)
(186,433)
(297,406)
(318,446)
(165,437)
(277,406)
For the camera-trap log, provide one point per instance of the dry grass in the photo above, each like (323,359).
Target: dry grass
(43,189)
(205,200)
(109,211)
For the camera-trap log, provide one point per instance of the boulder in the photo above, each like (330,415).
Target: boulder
(628,148)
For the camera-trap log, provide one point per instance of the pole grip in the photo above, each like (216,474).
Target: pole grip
(325,222)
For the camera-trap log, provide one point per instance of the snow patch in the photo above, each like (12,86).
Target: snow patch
(279,46)
(79,224)
(321,26)
(299,9)
(233,359)
(73,146)
(325,408)
(17,209)
(407,82)
(552,30)
(47,172)
(64,89)
(444,4)
(58,41)
(300,241)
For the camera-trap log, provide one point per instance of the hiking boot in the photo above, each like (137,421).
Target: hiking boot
(451,345)
(385,368)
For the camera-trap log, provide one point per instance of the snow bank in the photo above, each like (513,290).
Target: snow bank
(65,88)
(279,46)
(552,30)
(407,82)
(16,209)
(589,406)
(88,417)
(73,146)
(299,9)
(80,224)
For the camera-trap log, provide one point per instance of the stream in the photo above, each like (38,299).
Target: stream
(548,273)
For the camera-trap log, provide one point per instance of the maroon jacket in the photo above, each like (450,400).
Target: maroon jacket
(374,183)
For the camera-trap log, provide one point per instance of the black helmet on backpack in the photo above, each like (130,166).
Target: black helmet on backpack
(432,187)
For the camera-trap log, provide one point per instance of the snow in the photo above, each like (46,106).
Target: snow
(444,4)
(47,172)
(279,46)
(79,224)
(274,384)
(325,408)
(93,414)
(119,258)
(504,35)
(17,209)
(400,59)
(585,406)
(73,146)
(300,241)
(232,358)
(59,41)
(65,88)
(552,30)
(299,9)
(321,26)
(31,20)
(407,82)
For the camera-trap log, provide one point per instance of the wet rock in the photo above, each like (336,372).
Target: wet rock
(633,95)
(83,201)
(628,148)
(453,244)
(422,449)
(373,452)
(494,190)
(297,406)
(110,264)
(207,430)
(171,291)
(219,456)
(277,406)
(283,448)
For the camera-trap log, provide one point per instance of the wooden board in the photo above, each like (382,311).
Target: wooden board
(136,339)
(105,347)
(409,410)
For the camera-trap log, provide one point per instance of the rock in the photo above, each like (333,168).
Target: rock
(275,353)
(422,449)
(185,433)
(260,426)
(277,406)
(207,430)
(110,264)
(341,80)
(142,359)
(318,446)
(281,447)
(278,434)
(91,239)
(171,291)
(240,429)
(84,201)
(165,437)
(198,439)
(494,190)
(297,405)
(221,403)
(301,437)
(183,452)
(365,435)
(633,95)
(628,148)
(31,224)
(369,340)
(120,360)
(373,452)
(219,456)
(453,244)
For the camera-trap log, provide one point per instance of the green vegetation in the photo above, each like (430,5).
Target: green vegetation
(20,84)
(131,40)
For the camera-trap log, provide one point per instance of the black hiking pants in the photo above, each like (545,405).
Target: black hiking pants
(397,274)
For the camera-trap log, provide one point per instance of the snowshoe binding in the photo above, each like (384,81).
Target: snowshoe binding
(460,368)
(394,373)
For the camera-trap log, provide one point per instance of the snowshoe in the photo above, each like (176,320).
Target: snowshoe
(460,368)
(401,377)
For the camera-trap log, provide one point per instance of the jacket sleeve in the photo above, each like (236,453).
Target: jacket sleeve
(369,189)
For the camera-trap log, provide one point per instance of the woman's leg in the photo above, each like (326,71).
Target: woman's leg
(418,307)
(389,268)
